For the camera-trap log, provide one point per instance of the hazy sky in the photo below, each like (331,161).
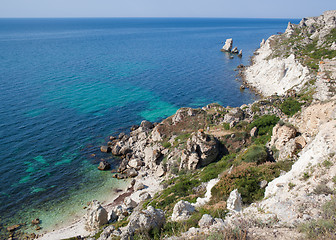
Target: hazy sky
(165,8)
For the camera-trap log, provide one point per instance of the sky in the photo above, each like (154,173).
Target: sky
(165,8)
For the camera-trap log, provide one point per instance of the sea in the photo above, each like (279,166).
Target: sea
(66,85)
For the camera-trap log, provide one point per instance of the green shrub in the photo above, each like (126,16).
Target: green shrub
(264,124)
(226,126)
(290,106)
(166,144)
(256,154)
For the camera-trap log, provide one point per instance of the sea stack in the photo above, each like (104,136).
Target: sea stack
(227,46)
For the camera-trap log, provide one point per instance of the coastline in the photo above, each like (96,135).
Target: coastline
(77,227)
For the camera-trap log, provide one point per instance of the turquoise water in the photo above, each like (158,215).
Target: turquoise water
(66,84)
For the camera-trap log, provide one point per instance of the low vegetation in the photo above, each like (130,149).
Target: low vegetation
(290,106)
(324,227)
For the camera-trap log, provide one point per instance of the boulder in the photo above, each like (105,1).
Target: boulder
(138,186)
(152,157)
(129,203)
(146,125)
(281,135)
(116,150)
(131,172)
(157,136)
(123,165)
(124,150)
(121,212)
(254,132)
(96,216)
(105,149)
(234,115)
(182,211)
(235,50)
(13,228)
(234,202)
(107,232)
(103,165)
(262,42)
(144,196)
(240,54)
(35,221)
(206,221)
(146,220)
(135,163)
(161,170)
(227,46)
(201,150)
(134,127)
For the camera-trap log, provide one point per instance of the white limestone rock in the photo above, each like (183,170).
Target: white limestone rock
(234,202)
(275,75)
(182,211)
(228,45)
(96,216)
(206,221)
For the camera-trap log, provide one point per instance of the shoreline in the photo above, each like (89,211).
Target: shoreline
(77,227)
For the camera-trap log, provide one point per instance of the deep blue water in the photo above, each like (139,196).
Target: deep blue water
(66,84)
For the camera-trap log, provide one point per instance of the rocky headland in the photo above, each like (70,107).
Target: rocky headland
(265,170)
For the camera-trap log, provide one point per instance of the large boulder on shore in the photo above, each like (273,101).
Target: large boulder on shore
(227,46)
(201,150)
(95,217)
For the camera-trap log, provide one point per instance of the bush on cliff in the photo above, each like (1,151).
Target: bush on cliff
(246,178)
(264,124)
(256,154)
(290,106)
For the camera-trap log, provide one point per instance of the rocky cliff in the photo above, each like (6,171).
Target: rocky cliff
(304,55)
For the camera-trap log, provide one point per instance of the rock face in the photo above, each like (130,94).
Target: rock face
(227,46)
(182,211)
(234,202)
(275,75)
(96,216)
(201,150)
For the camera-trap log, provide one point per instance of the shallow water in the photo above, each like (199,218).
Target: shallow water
(66,84)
